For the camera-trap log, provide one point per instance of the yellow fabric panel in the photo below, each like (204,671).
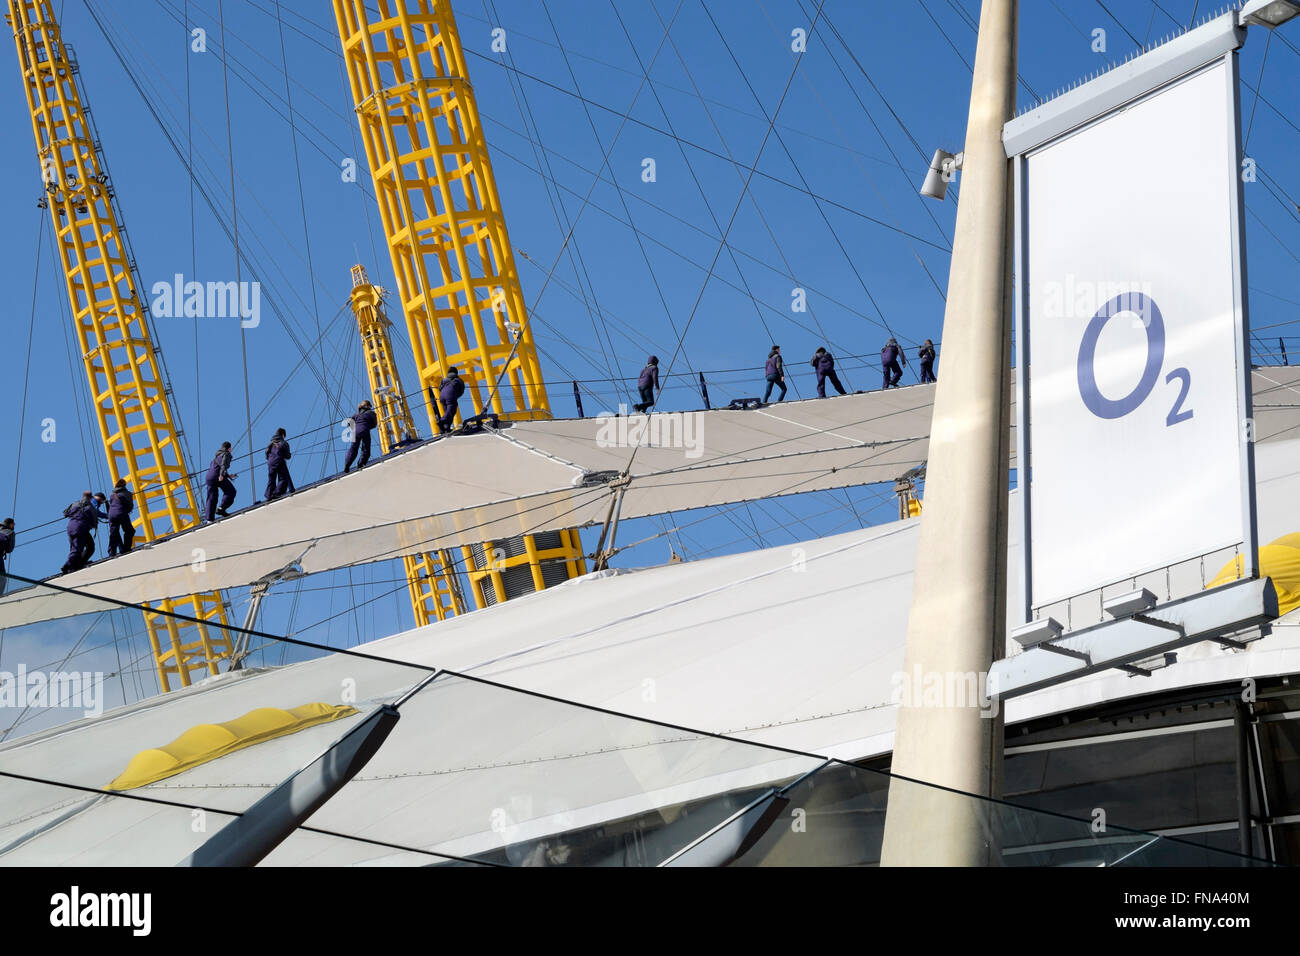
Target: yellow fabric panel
(207,742)
(1279,560)
(1288,540)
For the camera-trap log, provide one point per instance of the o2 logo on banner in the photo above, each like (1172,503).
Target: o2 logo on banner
(1103,407)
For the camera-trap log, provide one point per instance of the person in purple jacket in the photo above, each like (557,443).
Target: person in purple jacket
(824,363)
(926,354)
(775,372)
(121,533)
(362,422)
(218,480)
(6,548)
(83,517)
(647,383)
(278,482)
(890,356)
(450,389)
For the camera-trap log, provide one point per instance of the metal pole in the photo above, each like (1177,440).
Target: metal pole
(957,625)
(1281,342)
(704,391)
(1241,724)
(246,840)
(577,398)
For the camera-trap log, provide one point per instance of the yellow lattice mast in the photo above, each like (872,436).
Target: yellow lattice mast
(140,432)
(451,254)
(435,590)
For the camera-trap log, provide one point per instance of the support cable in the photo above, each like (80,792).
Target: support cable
(744,190)
(27,369)
(302,198)
(234,219)
(562,221)
(618,189)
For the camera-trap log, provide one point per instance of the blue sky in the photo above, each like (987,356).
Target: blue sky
(832,208)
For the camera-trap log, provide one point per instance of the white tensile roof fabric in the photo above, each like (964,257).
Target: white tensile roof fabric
(528,478)
(798,646)
(525,478)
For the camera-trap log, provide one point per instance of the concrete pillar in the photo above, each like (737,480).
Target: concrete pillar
(958,619)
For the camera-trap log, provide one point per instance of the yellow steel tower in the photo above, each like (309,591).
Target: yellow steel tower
(455,268)
(435,589)
(140,432)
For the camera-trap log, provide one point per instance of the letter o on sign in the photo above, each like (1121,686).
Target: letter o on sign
(1145,306)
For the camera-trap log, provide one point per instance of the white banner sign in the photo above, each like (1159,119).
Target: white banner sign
(1134,377)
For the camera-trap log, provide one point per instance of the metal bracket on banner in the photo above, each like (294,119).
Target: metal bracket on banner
(1140,634)
(1122,84)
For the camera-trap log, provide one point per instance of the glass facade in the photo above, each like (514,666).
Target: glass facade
(1188,764)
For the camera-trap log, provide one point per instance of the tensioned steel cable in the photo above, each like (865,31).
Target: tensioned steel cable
(287,320)
(549,179)
(752,198)
(799,172)
(562,221)
(567,92)
(644,83)
(116,47)
(731,252)
(27,372)
(487,402)
(27,375)
(1259,81)
(331,47)
(194,248)
(925,204)
(740,201)
(302,195)
(1118,23)
(67,324)
(234,220)
(693,145)
(971,22)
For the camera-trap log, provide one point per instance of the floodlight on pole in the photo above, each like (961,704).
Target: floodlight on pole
(942,171)
(1268,13)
